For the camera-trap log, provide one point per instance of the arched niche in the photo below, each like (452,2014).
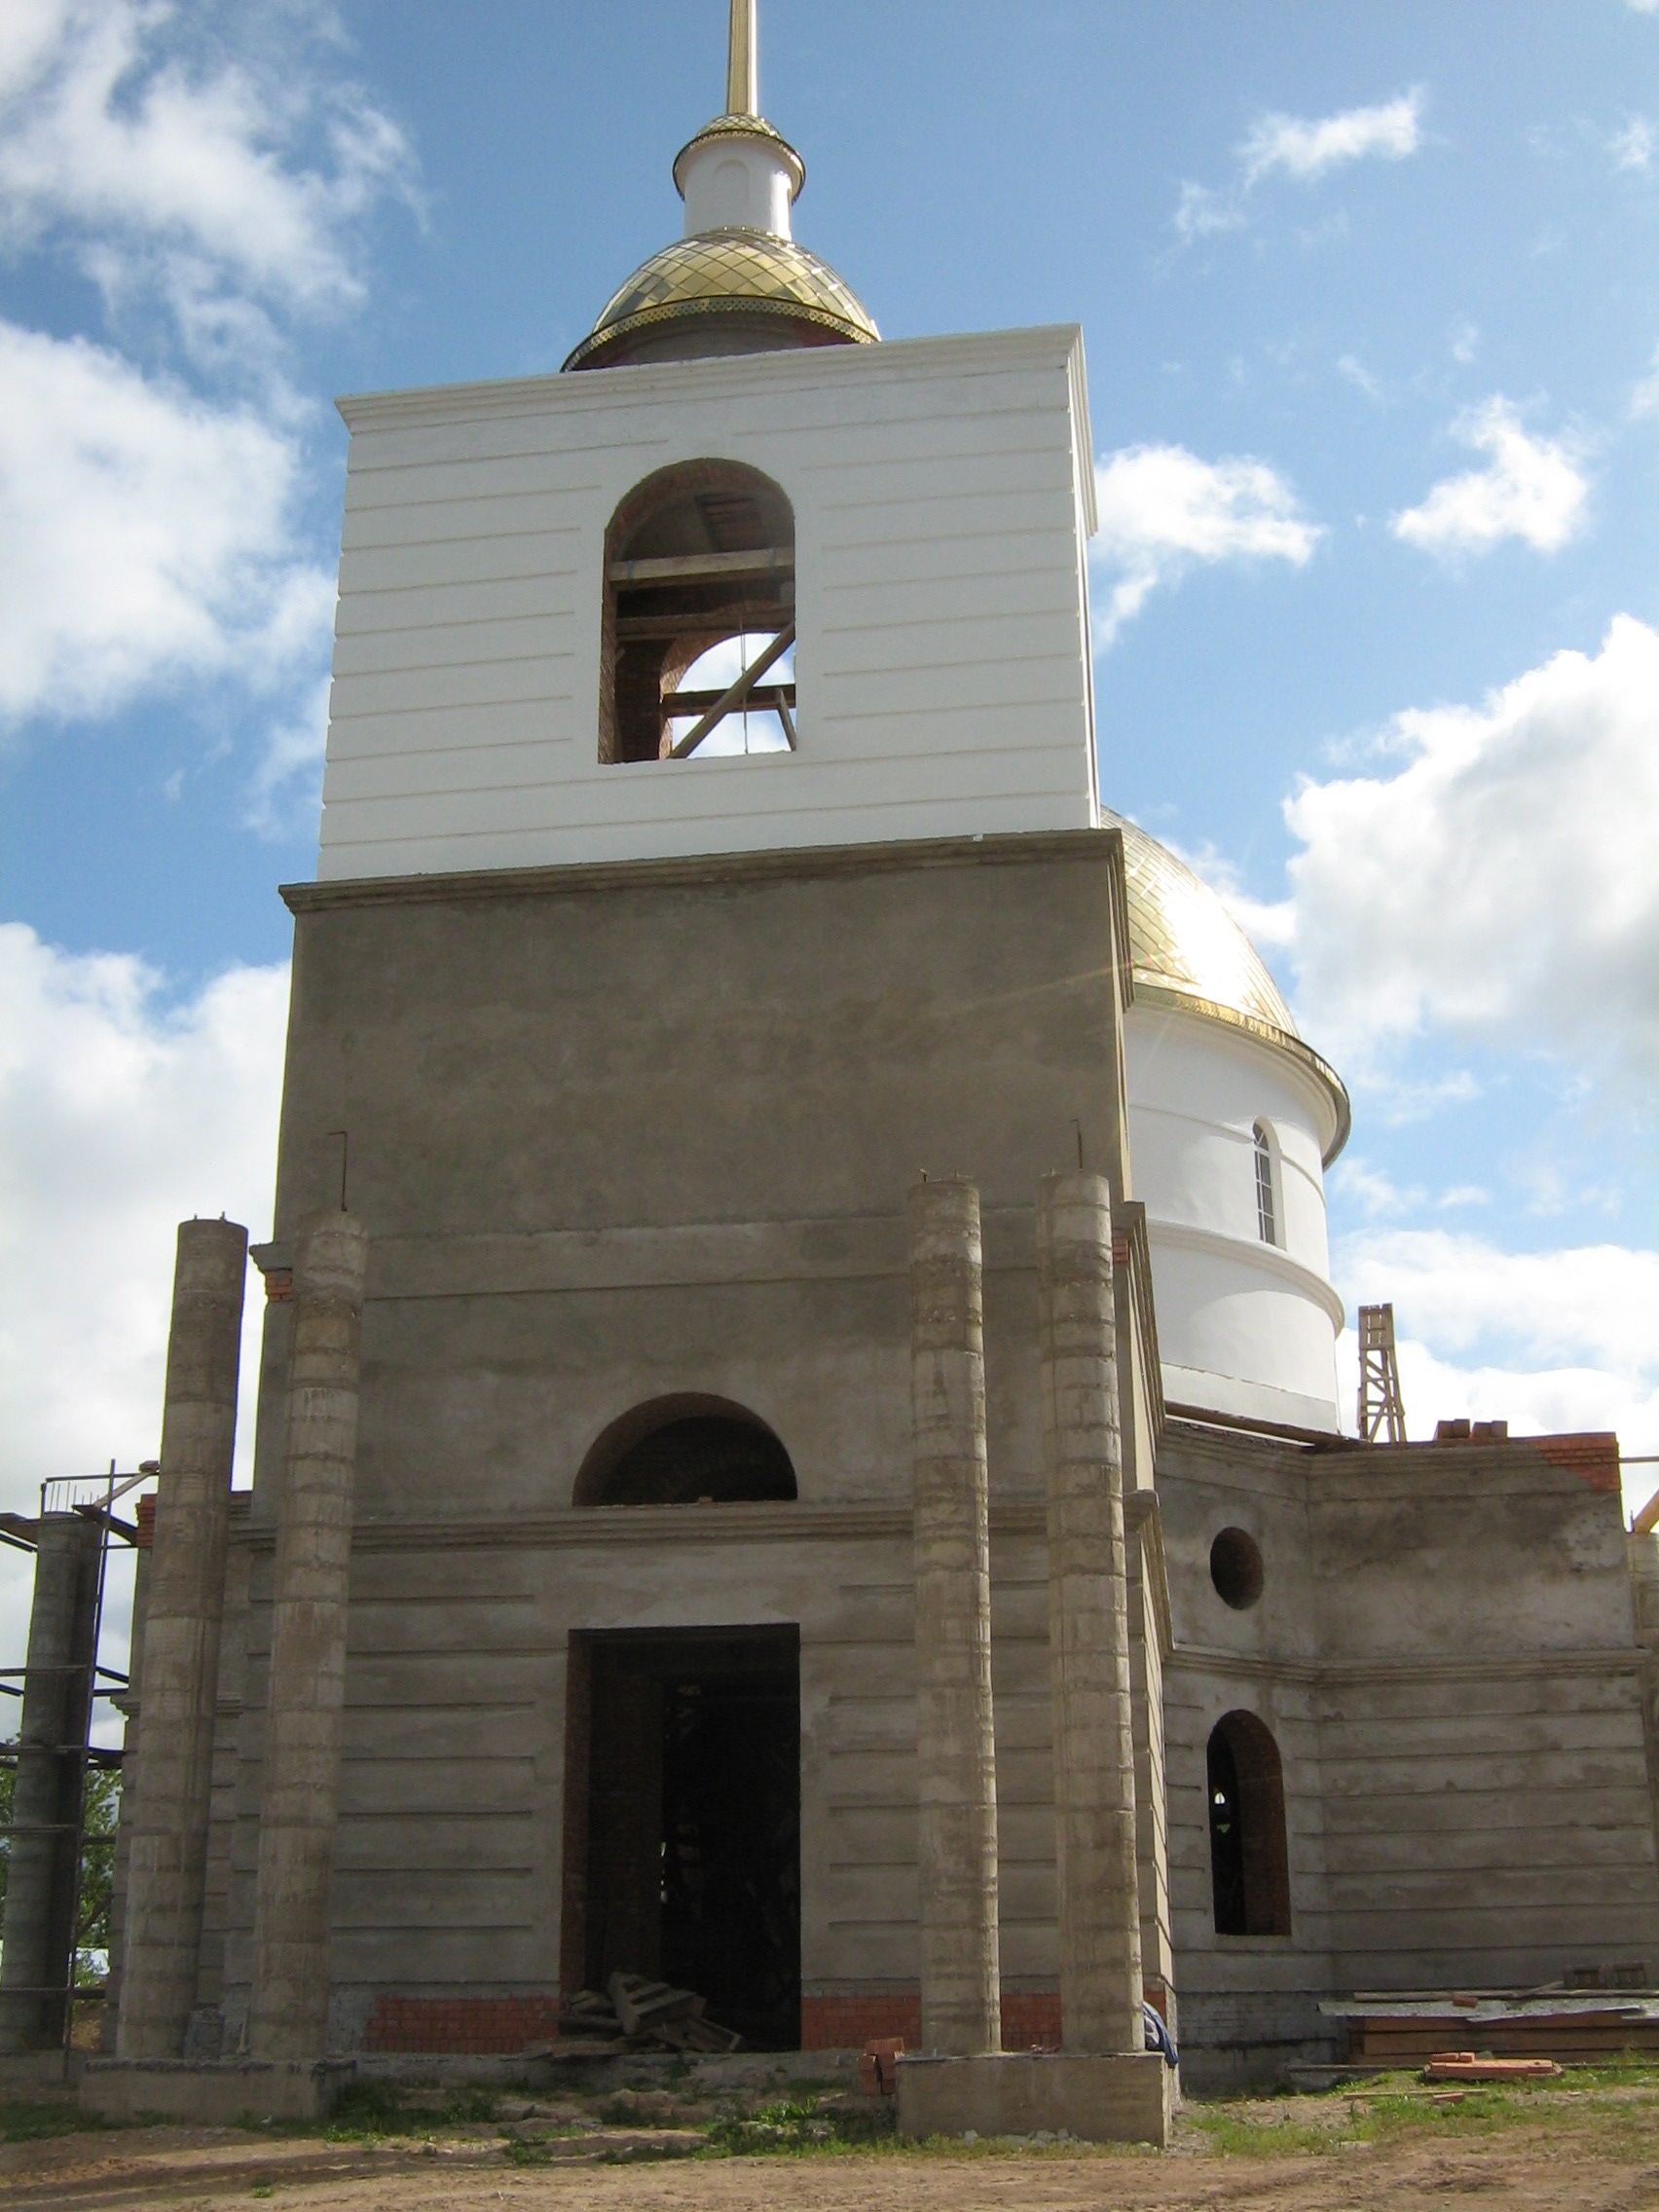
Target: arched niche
(686,1450)
(697,555)
(1250,1858)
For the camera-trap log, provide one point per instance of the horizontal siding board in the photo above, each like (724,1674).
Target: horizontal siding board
(413,692)
(496,598)
(549,553)
(454,645)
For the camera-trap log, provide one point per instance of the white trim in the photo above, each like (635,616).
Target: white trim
(1200,1386)
(580,391)
(1244,1043)
(1251,1252)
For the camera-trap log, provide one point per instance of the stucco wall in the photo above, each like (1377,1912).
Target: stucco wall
(1444,1654)
(1244,1327)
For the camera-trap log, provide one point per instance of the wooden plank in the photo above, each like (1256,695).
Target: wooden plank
(764,698)
(689,568)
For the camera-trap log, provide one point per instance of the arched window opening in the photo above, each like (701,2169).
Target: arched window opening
(685,1451)
(1249,1860)
(1267,1197)
(698,639)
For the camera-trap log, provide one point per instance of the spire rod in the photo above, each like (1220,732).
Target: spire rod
(743,76)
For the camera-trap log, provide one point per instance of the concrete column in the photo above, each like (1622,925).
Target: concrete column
(38,1928)
(1095,1788)
(955,1743)
(305,1702)
(168,1852)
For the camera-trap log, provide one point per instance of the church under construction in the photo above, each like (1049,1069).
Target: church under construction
(798,1449)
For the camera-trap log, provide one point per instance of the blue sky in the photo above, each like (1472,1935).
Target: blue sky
(1373,332)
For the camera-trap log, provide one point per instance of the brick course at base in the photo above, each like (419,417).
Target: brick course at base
(460,2026)
(1029,2021)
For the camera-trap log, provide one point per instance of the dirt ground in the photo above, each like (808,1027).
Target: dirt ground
(1593,2147)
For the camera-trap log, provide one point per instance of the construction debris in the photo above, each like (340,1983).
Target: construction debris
(1470,2066)
(641,2014)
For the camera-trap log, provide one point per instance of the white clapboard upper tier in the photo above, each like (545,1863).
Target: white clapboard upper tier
(942,496)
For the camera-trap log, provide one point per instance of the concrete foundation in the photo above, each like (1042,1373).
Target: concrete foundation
(166,1828)
(288,2015)
(1126,2098)
(1094,1782)
(956,1781)
(228,2093)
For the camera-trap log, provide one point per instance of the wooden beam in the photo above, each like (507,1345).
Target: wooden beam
(737,696)
(689,568)
(762,699)
(713,623)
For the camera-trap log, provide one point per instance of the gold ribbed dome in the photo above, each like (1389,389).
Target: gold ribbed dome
(738,272)
(1188,954)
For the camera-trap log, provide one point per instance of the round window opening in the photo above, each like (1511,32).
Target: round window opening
(1235,1569)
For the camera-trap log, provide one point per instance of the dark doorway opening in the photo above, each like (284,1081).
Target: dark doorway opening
(1249,1859)
(682,1820)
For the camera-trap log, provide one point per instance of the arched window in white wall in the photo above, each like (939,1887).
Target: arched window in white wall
(1267,1193)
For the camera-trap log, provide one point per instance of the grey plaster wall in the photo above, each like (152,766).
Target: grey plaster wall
(1445,1652)
(628,1133)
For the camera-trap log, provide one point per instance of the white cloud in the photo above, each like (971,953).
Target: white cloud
(1163,511)
(1531,489)
(1644,398)
(287,792)
(1550,1342)
(1634,147)
(1501,884)
(1202,213)
(128,124)
(145,534)
(1305,151)
(120,1115)
(1361,378)
(1292,146)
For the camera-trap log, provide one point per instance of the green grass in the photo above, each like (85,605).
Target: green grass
(31,2122)
(791,2127)
(1617,2098)
(370,2111)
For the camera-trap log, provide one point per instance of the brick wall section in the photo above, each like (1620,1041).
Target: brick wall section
(1593,1457)
(460,2026)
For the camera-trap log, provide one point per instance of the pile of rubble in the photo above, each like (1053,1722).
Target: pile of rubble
(639,2014)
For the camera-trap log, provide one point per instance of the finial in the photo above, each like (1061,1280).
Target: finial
(743,76)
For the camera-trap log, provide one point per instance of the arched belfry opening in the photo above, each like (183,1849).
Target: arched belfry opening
(697,639)
(685,1451)
(1250,1858)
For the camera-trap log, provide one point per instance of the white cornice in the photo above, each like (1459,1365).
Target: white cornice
(1252,1253)
(1055,345)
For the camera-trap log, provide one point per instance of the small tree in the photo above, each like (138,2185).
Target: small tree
(101,1805)
(99,1810)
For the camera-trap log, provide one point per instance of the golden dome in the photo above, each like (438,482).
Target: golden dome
(1188,953)
(739,271)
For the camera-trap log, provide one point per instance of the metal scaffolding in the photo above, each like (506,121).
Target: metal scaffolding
(52,1749)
